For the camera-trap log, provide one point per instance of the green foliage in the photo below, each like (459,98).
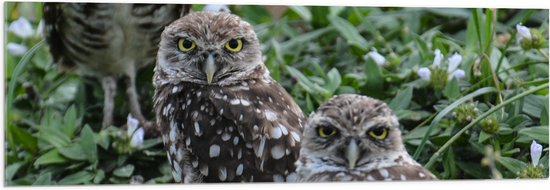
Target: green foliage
(52,123)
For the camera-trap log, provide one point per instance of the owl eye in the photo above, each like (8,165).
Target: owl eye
(186,45)
(379,133)
(234,45)
(326,132)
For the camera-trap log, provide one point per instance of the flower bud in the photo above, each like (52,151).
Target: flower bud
(532,172)
(465,114)
(537,40)
(489,125)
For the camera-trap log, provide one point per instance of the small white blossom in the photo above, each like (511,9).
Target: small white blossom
(378,59)
(458,74)
(137,138)
(536,151)
(16,49)
(132,124)
(424,73)
(216,8)
(40,28)
(438,58)
(21,27)
(454,60)
(523,32)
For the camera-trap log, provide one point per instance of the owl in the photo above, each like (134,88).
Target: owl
(222,117)
(106,41)
(355,138)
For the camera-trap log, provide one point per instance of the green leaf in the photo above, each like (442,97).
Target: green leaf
(125,171)
(533,105)
(540,134)
(483,136)
(51,157)
(349,32)
(77,178)
(99,176)
(302,11)
(375,80)
(544,113)
(333,81)
(70,122)
(24,138)
(512,164)
(303,81)
(44,179)
(88,144)
(402,99)
(12,169)
(53,136)
(73,151)
(452,90)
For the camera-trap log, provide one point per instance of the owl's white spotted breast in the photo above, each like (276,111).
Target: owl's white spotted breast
(249,131)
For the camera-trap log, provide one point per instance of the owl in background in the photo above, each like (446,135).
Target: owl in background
(222,117)
(355,138)
(107,41)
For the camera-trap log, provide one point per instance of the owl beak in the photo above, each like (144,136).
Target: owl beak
(210,68)
(352,153)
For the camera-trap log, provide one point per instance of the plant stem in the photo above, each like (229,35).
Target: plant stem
(447,110)
(543,54)
(474,122)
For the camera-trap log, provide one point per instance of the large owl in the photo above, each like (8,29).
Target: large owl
(355,138)
(106,41)
(223,118)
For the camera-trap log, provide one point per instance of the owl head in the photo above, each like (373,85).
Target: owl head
(208,48)
(351,131)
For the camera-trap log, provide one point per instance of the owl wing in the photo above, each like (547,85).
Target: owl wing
(268,119)
(52,18)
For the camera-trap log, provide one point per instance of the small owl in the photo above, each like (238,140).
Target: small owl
(106,41)
(223,118)
(355,138)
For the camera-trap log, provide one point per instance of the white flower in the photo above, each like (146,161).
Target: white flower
(137,138)
(16,49)
(216,8)
(132,124)
(536,151)
(438,57)
(523,32)
(378,59)
(40,28)
(458,74)
(424,73)
(454,60)
(134,131)
(21,27)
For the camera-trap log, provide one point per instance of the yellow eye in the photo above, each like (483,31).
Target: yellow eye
(186,45)
(234,45)
(379,133)
(325,132)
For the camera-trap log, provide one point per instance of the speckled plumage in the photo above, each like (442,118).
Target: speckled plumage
(354,117)
(106,40)
(243,126)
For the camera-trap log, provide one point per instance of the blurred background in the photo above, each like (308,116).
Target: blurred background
(53,118)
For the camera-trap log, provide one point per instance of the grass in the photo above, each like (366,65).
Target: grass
(53,118)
